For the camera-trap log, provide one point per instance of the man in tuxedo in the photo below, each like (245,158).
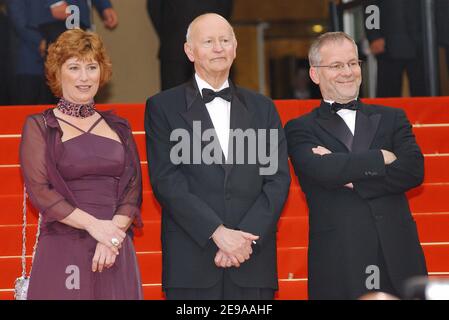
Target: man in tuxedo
(219,218)
(398,47)
(354,163)
(170,19)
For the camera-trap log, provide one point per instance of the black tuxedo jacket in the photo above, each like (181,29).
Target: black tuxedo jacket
(347,227)
(197,198)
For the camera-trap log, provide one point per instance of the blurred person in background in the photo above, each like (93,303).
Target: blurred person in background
(4,55)
(50,16)
(300,86)
(398,47)
(170,19)
(28,84)
(442,21)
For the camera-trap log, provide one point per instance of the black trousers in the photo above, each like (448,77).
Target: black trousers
(386,284)
(389,76)
(175,72)
(225,289)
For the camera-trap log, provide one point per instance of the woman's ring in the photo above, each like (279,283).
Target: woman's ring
(115,242)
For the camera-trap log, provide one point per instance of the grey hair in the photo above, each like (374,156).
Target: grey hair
(189,28)
(314,51)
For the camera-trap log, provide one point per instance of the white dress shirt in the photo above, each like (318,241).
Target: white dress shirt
(219,112)
(347,115)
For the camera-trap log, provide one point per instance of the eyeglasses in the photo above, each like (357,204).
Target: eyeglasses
(339,66)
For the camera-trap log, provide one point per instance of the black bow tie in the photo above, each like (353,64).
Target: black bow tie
(209,95)
(335,107)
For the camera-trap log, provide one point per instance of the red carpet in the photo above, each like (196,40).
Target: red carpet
(429,203)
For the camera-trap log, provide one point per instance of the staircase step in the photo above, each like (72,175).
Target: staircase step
(292,289)
(436,256)
(153,292)
(13,175)
(6,294)
(428,198)
(292,264)
(425,137)
(428,202)
(435,166)
(148,243)
(292,232)
(9,147)
(289,289)
(418,110)
(432,227)
(11,209)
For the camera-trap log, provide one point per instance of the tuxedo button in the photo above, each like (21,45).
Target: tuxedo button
(378,218)
(228,196)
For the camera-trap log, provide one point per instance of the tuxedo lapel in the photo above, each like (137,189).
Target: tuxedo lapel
(241,116)
(197,111)
(366,125)
(335,125)
(195,108)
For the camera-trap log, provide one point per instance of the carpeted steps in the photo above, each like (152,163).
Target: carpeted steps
(430,119)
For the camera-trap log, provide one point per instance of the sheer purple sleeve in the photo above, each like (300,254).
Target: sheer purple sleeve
(131,200)
(51,204)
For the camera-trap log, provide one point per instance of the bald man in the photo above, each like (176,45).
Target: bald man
(220,200)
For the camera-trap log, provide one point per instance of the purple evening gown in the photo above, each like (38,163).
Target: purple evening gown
(91,166)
